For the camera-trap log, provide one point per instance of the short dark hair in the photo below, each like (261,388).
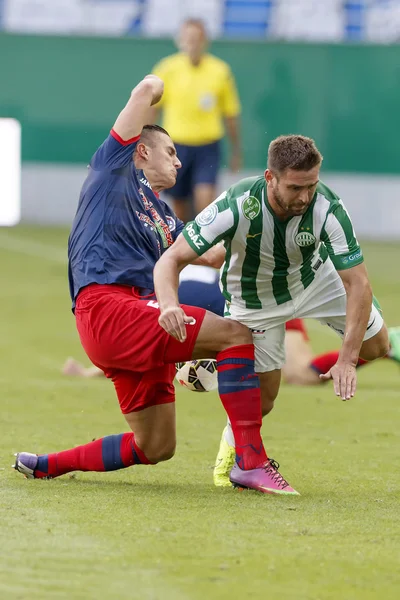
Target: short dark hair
(295,152)
(148,130)
(151,128)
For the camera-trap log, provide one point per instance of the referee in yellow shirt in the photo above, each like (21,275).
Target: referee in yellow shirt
(199,101)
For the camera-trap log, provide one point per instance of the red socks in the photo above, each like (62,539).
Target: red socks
(297,325)
(110,453)
(324,362)
(239,390)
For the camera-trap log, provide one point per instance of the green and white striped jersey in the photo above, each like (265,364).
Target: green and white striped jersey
(268,261)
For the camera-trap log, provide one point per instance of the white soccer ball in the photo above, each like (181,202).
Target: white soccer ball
(198,375)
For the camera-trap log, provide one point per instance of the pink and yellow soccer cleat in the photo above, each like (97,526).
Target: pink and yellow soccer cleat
(266,479)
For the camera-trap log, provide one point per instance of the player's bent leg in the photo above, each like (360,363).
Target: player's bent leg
(133,340)
(109,453)
(155,431)
(376,346)
(297,370)
(240,394)
(269,385)
(217,334)
(147,401)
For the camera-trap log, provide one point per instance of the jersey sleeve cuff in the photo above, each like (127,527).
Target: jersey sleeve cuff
(347,261)
(121,141)
(195,240)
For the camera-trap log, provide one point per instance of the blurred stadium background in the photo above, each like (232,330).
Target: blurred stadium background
(330,70)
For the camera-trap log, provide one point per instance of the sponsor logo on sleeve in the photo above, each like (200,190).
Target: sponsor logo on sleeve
(207,216)
(355,256)
(194,236)
(346,260)
(251,208)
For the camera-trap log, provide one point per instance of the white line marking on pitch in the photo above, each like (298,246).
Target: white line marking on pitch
(30,247)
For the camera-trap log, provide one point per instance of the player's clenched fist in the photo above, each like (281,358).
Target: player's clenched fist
(157,87)
(174,321)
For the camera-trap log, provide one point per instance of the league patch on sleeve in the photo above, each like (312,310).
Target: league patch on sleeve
(207,216)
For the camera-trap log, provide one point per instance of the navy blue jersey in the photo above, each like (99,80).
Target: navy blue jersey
(199,286)
(121,227)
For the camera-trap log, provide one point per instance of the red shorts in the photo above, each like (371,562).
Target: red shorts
(120,333)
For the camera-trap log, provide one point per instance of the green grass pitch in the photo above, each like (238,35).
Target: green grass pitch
(165,533)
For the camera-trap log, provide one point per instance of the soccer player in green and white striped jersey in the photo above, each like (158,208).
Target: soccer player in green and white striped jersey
(291,251)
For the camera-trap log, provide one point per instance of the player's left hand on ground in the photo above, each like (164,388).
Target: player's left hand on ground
(344,379)
(174,321)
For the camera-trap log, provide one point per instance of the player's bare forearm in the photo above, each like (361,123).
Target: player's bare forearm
(134,115)
(359,300)
(214,257)
(153,115)
(166,272)
(166,280)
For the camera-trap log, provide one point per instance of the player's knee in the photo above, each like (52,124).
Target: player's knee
(383,345)
(266,408)
(236,334)
(267,403)
(378,350)
(160,453)
(376,347)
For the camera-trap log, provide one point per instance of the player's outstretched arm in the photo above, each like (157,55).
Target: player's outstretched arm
(359,300)
(166,281)
(133,116)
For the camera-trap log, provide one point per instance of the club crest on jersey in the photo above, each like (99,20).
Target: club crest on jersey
(207,216)
(305,238)
(251,208)
(171,223)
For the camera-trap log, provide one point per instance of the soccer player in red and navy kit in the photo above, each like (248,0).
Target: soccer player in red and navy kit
(120,230)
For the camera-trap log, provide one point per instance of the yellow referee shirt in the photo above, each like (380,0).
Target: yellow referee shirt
(196,98)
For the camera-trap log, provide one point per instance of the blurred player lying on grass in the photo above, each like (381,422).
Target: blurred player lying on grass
(291,252)
(119,232)
(199,286)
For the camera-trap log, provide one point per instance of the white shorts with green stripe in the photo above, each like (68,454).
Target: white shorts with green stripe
(324,300)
